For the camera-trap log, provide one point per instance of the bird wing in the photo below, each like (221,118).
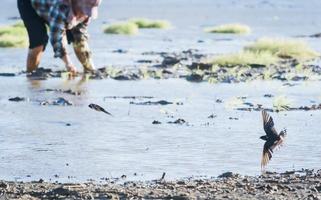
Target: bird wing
(105,111)
(268,125)
(268,148)
(101,109)
(267,153)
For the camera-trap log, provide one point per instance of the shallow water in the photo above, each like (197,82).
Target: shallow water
(286,18)
(35,141)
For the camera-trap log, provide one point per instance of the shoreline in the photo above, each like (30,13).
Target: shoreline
(301,184)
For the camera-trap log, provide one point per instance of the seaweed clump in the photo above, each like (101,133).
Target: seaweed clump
(13,36)
(124,28)
(148,23)
(132,26)
(268,51)
(230,29)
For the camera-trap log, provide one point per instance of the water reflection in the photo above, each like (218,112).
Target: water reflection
(33,83)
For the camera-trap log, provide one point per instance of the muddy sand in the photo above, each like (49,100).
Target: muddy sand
(302,184)
(193,67)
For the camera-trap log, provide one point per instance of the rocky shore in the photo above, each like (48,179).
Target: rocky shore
(302,184)
(194,67)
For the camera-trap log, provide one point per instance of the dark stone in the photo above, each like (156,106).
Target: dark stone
(257,66)
(76,93)
(249,104)
(228,175)
(181,182)
(41,74)
(156,122)
(233,118)
(178,121)
(164,71)
(279,77)
(71,92)
(102,70)
(127,77)
(3,185)
(299,78)
(201,66)
(194,78)
(120,51)
(58,102)
(7,74)
(289,84)
(170,61)
(212,116)
(268,95)
(122,78)
(17,99)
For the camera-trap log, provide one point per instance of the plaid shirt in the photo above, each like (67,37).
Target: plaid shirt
(55,12)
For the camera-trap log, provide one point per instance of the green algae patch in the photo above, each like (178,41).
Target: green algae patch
(230,29)
(13,36)
(148,23)
(132,26)
(284,48)
(244,58)
(122,28)
(266,52)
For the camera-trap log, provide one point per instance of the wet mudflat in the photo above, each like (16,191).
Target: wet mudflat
(199,133)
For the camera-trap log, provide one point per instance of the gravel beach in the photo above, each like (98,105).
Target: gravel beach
(302,184)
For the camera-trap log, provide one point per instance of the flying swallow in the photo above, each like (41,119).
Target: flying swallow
(272,138)
(98,108)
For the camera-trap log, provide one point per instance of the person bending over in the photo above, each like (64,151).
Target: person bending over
(67,21)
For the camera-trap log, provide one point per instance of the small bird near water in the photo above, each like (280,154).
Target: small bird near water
(272,138)
(98,108)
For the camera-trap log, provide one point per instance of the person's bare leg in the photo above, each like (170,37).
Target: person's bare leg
(34,56)
(83,54)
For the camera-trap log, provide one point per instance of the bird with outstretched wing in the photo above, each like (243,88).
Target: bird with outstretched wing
(272,138)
